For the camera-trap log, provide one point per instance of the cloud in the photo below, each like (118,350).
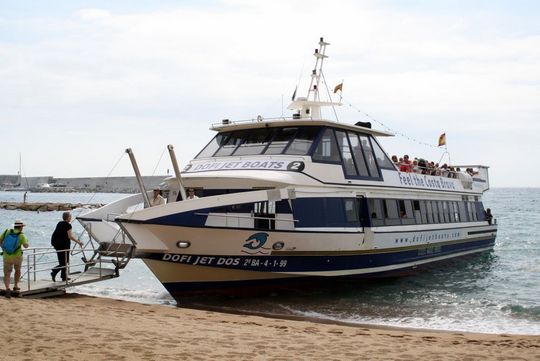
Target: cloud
(152,77)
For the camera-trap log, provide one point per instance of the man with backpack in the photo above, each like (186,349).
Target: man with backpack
(12,241)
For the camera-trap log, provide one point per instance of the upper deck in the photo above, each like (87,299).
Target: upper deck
(277,153)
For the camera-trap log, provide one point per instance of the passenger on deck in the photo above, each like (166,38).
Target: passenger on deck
(157,199)
(415,168)
(191,194)
(422,166)
(437,169)
(60,240)
(13,259)
(406,165)
(489,216)
(395,160)
(444,170)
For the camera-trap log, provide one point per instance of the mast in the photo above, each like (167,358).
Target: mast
(320,55)
(310,106)
(20,171)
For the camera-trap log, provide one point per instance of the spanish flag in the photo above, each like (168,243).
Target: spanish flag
(338,87)
(442,139)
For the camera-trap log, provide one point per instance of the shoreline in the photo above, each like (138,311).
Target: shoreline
(328,321)
(84,327)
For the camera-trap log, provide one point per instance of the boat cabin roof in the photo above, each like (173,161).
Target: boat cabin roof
(227,125)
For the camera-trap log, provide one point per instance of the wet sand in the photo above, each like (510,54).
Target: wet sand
(76,327)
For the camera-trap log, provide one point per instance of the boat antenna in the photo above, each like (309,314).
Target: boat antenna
(320,55)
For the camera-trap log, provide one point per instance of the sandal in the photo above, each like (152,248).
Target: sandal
(16,289)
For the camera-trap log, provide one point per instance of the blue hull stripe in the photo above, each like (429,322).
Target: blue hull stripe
(179,290)
(321,263)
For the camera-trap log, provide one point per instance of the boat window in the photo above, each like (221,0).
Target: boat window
(351,211)
(429,212)
(446,212)
(462,211)
(231,143)
(281,140)
(382,158)
(348,161)
(358,155)
(255,141)
(456,211)
(302,141)
(423,212)
(438,212)
(416,211)
(391,212)
(406,211)
(327,150)
(293,140)
(376,209)
(214,145)
(264,214)
(370,158)
(480,211)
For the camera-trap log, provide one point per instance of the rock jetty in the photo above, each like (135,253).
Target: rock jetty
(46,207)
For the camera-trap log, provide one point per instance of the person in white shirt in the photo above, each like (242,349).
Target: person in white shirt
(191,194)
(157,199)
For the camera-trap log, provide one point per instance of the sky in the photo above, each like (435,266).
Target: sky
(81,81)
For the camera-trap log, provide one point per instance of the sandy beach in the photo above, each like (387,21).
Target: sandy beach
(76,327)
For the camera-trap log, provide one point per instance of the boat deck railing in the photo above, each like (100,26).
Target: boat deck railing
(227,122)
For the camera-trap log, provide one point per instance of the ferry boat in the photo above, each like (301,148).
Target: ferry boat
(291,200)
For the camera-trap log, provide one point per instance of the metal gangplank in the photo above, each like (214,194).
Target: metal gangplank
(105,262)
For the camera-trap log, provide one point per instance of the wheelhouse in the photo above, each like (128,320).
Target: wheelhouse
(357,151)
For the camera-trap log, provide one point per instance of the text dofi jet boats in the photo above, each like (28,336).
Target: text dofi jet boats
(297,199)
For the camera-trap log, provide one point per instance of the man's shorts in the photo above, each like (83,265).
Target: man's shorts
(11,262)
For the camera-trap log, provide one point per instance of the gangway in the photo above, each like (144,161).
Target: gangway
(36,282)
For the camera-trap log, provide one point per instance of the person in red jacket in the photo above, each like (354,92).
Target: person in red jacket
(406,165)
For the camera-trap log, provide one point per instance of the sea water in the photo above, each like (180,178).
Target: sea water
(495,292)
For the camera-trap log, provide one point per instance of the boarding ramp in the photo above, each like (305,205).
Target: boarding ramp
(91,263)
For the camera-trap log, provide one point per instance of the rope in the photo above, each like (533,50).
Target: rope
(329,96)
(73,251)
(159,161)
(385,127)
(107,177)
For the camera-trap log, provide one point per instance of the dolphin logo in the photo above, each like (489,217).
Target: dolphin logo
(256,241)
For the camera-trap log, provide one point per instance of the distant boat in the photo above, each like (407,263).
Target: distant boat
(18,187)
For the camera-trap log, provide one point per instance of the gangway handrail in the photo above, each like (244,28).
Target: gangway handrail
(66,267)
(39,260)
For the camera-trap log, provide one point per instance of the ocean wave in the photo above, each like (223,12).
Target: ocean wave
(532,312)
(141,296)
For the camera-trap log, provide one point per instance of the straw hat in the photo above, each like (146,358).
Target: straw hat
(18,223)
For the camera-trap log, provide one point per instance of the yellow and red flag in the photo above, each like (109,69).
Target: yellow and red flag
(442,139)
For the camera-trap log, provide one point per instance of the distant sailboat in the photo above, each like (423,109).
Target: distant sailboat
(19,187)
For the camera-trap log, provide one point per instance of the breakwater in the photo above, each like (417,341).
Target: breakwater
(80,185)
(46,206)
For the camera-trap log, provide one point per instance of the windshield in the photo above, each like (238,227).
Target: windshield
(288,140)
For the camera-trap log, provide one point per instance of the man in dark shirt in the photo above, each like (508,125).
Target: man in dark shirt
(60,240)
